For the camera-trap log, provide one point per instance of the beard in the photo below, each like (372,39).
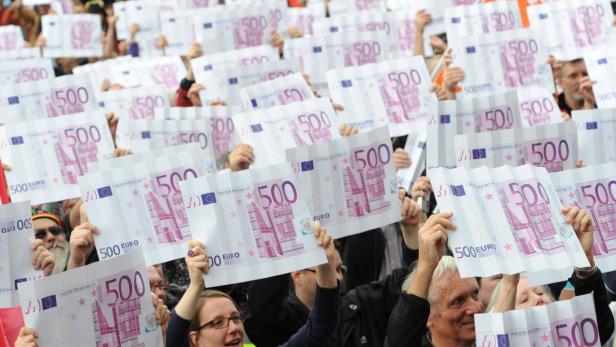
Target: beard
(60,250)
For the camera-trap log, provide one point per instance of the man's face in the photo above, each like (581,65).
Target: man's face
(451,315)
(570,76)
(487,288)
(307,279)
(54,240)
(48,231)
(157,285)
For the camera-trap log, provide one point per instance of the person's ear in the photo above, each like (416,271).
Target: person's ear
(296,276)
(194,338)
(430,322)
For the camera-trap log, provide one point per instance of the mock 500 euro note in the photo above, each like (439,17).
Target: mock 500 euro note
(552,146)
(554,324)
(222,28)
(508,220)
(272,130)
(596,133)
(396,93)
(416,148)
(601,63)
(223,129)
(225,83)
(233,58)
(468,116)
(594,189)
(503,60)
(151,134)
(177,27)
(99,72)
(11,37)
(482,19)
(254,223)
(46,98)
(164,71)
(49,154)
(74,35)
(279,91)
(20,54)
(15,243)
(349,183)
(134,103)
(322,53)
(336,8)
(568,26)
(398,26)
(140,204)
(538,107)
(144,13)
(195,4)
(28,70)
(102,304)
(434,7)
(303,18)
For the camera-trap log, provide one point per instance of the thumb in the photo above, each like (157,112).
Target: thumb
(83,214)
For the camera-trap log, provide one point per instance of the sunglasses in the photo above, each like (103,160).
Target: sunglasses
(40,234)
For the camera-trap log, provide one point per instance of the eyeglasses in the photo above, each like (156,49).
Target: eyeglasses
(40,234)
(342,270)
(223,322)
(164,285)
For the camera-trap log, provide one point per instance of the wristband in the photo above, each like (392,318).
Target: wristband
(185,84)
(585,272)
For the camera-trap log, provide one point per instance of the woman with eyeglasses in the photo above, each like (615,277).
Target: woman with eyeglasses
(209,318)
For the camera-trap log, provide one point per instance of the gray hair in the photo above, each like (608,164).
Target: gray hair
(445,265)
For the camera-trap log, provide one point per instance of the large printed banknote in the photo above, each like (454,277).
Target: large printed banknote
(396,93)
(349,184)
(27,70)
(471,116)
(46,98)
(553,146)
(502,60)
(15,244)
(141,202)
(563,323)
(104,304)
(48,155)
(508,219)
(594,189)
(71,36)
(270,131)
(255,224)
(596,132)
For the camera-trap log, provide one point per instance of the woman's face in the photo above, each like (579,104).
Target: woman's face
(530,296)
(216,310)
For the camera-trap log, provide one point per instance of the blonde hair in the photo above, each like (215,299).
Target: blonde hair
(497,290)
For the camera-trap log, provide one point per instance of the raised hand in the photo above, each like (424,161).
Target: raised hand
(42,258)
(197,264)
(82,241)
(402,160)
(28,337)
(347,130)
(584,229)
(241,157)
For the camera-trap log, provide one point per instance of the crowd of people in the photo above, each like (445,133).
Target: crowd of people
(392,286)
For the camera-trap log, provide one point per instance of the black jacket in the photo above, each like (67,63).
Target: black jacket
(275,313)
